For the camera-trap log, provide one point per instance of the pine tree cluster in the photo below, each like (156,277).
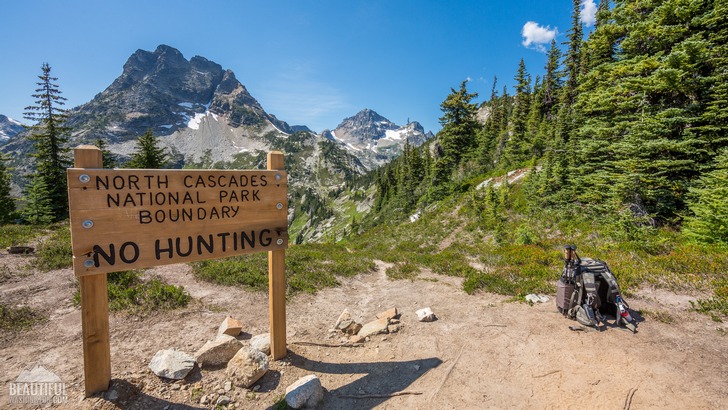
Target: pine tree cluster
(629,121)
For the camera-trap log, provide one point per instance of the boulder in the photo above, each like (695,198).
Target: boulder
(218,352)
(171,364)
(425,315)
(261,342)
(389,314)
(306,392)
(374,327)
(246,367)
(230,326)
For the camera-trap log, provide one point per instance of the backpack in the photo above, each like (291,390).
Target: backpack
(588,292)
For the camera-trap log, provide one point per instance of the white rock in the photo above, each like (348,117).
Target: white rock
(223,400)
(425,315)
(172,364)
(306,392)
(261,342)
(218,352)
(534,298)
(246,367)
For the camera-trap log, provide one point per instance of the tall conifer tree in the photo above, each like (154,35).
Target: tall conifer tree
(50,138)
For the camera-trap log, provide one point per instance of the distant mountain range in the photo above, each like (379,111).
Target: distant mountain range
(202,110)
(207,118)
(9,128)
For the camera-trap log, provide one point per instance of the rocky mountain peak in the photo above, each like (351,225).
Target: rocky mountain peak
(9,127)
(163,91)
(375,139)
(366,125)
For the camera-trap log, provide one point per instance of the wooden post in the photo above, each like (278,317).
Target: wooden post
(94,305)
(277,283)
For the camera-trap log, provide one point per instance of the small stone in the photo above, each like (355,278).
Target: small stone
(176,387)
(256,387)
(112,395)
(204,400)
(417,367)
(223,401)
(306,392)
(345,316)
(228,386)
(389,314)
(357,339)
(394,328)
(351,327)
(344,340)
(220,391)
(171,364)
(218,352)
(374,327)
(230,326)
(246,367)
(425,315)
(261,342)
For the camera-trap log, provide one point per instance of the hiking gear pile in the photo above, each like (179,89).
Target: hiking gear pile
(588,292)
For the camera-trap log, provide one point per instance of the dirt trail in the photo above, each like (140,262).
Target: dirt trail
(482,352)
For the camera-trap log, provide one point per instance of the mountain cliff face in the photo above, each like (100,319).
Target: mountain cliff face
(375,139)
(9,128)
(164,92)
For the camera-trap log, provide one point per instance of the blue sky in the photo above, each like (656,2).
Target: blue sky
(307,62)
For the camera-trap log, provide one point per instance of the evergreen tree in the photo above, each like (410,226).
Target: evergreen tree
(552,81)
(38,209)
(517,145)
(709,204)
(147,155)
(458,134)
(108,157)
(573,56)
(642,141)
(7,203)
(50,138)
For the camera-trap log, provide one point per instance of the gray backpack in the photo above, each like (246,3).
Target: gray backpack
(589,293)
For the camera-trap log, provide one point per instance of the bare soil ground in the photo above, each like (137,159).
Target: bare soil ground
(484,351)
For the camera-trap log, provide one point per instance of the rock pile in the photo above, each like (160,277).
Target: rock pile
(244,364)
(385,322)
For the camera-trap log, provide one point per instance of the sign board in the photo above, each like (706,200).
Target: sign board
(127,218)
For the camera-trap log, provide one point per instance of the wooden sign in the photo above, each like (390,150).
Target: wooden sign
(127,218)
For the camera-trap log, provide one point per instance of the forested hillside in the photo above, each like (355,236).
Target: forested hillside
(627,126)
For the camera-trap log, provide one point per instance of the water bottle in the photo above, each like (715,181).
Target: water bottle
(624,312)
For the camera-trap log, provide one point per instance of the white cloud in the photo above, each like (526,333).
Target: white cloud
(588,14)
(535,36)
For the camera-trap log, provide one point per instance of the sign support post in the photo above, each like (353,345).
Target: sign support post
(94,305)
(277,283)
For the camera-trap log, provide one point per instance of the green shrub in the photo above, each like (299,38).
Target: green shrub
(309,267)
(128,292)
(13,235)
(55,251)
(18,318)
(402,271)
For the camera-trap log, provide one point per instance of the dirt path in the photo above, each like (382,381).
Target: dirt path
(482,352)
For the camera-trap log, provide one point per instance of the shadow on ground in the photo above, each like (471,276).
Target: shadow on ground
(368,380)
